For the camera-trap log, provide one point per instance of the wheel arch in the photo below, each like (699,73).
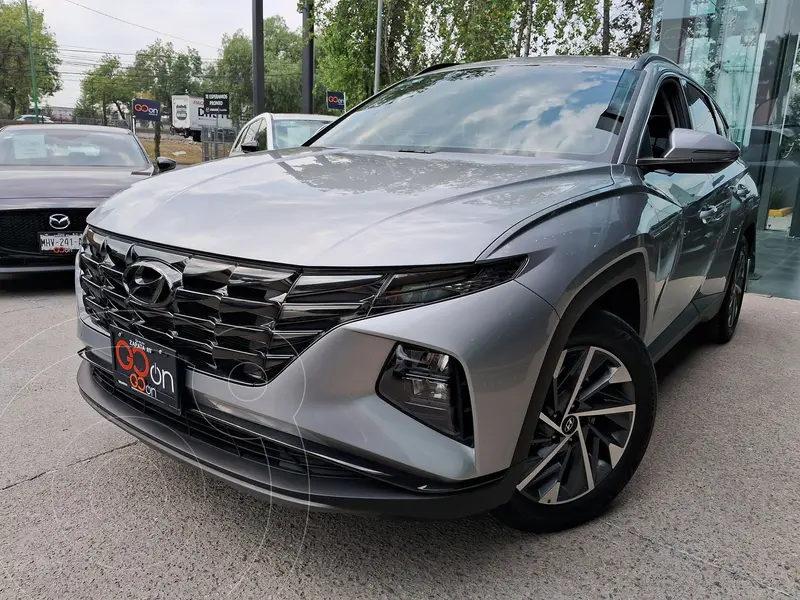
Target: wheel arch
(631,267)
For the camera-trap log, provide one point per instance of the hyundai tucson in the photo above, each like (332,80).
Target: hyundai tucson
(447,302)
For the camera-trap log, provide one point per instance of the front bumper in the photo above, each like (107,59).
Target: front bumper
(354,487)
(326,400)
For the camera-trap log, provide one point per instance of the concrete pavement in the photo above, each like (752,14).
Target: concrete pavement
(86,512)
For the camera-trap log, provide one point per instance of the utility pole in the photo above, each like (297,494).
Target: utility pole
(308,56)
(606,27)
(32,64)
(378,36)
(259,103)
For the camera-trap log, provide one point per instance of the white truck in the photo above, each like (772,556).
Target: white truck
(189,118)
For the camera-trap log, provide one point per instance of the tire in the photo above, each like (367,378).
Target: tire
(722,326)
(196,136)
(554,491)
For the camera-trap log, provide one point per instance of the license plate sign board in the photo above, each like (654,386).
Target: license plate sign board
(59,243)
(146,369)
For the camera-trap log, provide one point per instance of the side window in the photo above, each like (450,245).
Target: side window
(241,136)
(666,114)
(702,115)
(252,131)
(722,124)
(262,134)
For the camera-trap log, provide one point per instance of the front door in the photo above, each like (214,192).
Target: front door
(695,194)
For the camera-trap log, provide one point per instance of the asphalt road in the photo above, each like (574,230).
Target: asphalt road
(86,512)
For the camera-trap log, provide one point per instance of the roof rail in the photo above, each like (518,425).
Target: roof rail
(436,67)
(648,57)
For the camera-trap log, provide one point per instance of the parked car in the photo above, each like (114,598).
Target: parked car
(51,178)
(270,131)
(449,301)
(32,119)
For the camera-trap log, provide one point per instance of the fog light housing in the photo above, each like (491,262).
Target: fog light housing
(431,387)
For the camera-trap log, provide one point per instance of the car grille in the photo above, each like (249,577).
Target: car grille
(19,229)
(240,322)
(228,437)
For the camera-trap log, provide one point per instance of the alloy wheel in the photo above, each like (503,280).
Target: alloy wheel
(738,288)
(584,427)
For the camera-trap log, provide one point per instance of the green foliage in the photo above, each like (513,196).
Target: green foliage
(85,110)
(282,66)
(416,34)
(233,73)
(162,71)
(15,79)
(420,33)
(632,26)
(107,83)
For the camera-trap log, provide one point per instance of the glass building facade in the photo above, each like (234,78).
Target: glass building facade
(745,53)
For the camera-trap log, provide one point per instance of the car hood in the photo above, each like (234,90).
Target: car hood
(26,186)
(339,208)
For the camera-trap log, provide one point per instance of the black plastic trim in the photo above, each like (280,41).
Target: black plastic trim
(627,268)
(463,401)
(360,495)
(649,57)
(437,67)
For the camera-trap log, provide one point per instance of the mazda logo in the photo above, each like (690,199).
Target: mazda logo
(59,221)
(150,283)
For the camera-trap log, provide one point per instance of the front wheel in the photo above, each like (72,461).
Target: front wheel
(593,429)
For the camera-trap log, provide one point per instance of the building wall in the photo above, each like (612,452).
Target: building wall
(745,52)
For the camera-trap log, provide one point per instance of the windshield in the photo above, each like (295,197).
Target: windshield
(289,133)
(63,148)
(509,109)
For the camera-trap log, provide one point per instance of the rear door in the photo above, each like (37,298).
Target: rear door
(724,223)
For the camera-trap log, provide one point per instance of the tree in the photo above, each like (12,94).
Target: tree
(633,27)
(283,50)
(84,109)
(107,83)
(163,71)
(160,71)
(233,73)
(15,79)
(420,33)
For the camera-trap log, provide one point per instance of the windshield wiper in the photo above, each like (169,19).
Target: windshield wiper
(415,150)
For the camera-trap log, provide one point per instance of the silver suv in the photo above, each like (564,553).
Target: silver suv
(448,302)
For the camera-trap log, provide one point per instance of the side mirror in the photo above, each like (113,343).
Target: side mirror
(692,151)
(251,146)
(165,164)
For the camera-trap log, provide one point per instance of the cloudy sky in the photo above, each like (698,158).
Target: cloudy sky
(83,35)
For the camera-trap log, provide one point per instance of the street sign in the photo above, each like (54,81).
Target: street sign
(216,104)
(145,109)
(336,100)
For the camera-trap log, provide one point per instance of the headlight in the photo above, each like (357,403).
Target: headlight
(405,290)
(431,387)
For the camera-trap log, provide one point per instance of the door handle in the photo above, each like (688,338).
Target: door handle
(707,214)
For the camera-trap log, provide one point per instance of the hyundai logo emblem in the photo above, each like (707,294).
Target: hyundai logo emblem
(59,221)
(150,283)
(570,424)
